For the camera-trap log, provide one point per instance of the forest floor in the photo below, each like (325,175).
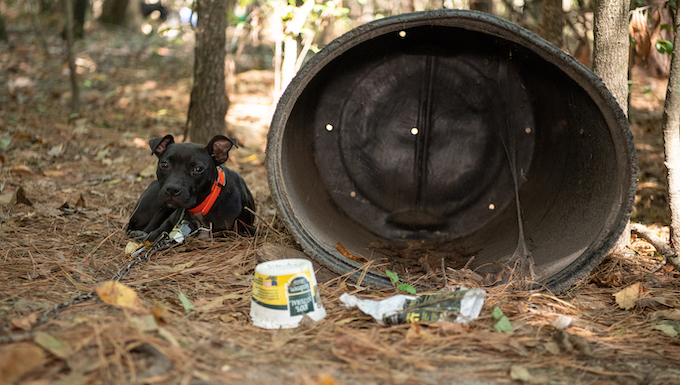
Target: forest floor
(83,175)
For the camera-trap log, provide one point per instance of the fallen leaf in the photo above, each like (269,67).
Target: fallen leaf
(667,328)
(517,347)
(346,253)
(81,202)
(18,359)
(132,246)
(186,304)
(61,349)
(25,323)
(520,373)
(450,328)
(56,151)
(145,323)
(119,295)
(629,296)
(552,347)
(22,169)
(20,197)
(673,314)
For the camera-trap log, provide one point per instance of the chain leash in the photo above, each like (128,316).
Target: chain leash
(181,230)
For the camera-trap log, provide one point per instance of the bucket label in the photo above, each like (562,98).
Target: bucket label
(293,293)
(300,299)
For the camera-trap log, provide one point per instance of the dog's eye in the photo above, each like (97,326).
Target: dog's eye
(163,165)
(198,170)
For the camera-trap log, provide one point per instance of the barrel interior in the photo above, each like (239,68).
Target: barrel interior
(428,135)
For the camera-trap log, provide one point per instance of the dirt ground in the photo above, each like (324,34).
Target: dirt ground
(81,177)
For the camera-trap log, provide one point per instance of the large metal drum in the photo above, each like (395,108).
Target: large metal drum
(426,126)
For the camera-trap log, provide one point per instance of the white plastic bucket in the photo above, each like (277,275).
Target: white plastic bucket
(283,292)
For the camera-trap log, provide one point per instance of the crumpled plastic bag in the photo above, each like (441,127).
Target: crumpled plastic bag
(461,305)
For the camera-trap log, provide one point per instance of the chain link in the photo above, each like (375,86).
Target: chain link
(141,255)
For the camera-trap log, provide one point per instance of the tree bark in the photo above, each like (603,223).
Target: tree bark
(610,47)
(3,30)
(552,22)
(671,135)
(209,101)
(125,13)
(75,93)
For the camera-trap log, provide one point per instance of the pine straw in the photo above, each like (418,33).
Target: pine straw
(220,345)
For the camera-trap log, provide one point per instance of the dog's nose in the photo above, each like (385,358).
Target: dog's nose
(173,191)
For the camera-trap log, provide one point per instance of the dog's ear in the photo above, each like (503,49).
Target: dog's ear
(219,147)
(159,145)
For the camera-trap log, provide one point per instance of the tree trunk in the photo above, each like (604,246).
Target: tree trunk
(75,93)
(552,22)
(3,30)
(671,135)
(611,46)
(125,13)
(209,101)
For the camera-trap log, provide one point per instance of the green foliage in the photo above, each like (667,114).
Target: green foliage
(401,286)
(503,323)
(664,46)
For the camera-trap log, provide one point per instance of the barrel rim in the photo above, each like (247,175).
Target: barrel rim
(491,25)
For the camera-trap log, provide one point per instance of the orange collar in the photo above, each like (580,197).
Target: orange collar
(209,201)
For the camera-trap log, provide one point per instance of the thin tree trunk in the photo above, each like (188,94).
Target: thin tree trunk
(671,135)
(209,101)
(75,94)
(552,22)
(611,46)
(3,30)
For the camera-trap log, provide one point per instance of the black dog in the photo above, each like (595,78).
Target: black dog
(191,177)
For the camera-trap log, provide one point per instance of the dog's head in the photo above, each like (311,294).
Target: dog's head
(186,171)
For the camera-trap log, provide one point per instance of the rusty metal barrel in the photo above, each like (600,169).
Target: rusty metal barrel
(451,128)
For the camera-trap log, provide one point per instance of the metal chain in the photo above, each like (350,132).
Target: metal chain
(177,235)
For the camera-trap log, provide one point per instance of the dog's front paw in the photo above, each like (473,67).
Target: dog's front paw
(137,235)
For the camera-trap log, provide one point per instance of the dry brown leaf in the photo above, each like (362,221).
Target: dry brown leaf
(22,169)
(629,296)
(347,254)
(18,359)
(20,197)
(552,348)
(672,314)
(520,373)
(450,328)
(25,323)
(80,203)
(119,295)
